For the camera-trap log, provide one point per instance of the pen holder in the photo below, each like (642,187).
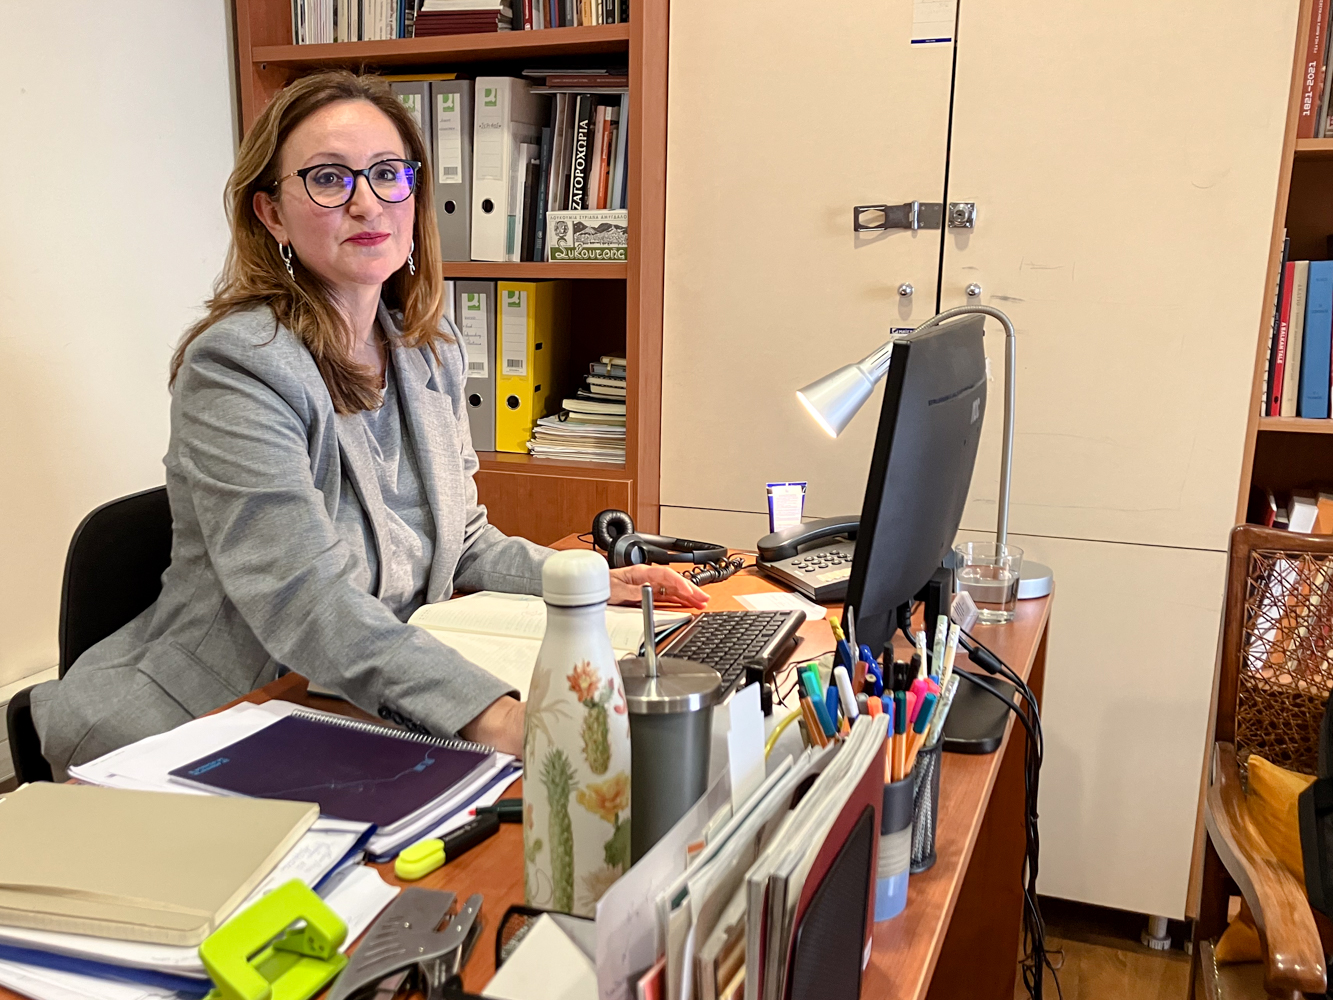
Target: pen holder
(895,849)
(925,780)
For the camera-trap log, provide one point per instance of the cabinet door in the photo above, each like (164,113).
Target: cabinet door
(1124,162)
(783,116)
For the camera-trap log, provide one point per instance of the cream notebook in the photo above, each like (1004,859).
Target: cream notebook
(503,632)
(137,866)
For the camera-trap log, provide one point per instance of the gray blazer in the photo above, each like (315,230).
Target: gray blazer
(259,578)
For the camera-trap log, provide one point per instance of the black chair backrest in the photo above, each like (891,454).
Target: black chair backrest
(114,569)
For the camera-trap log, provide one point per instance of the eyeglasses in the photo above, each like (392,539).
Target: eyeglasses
(331,185)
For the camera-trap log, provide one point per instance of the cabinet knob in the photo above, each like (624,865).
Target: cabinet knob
(906,289)
(973,290)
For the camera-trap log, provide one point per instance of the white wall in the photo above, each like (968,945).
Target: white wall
(118,137)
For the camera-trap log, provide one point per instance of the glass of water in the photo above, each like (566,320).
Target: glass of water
(988,571)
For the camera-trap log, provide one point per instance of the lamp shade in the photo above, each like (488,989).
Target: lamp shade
(834,399)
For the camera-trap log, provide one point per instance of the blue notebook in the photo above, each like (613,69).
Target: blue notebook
(353,770)
(1315,343)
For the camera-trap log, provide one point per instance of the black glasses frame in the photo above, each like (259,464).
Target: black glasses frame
(304,172)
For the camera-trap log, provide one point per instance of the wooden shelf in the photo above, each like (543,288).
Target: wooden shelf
(504,461)
(1314,149)
(447,48)
(533,270)
(1296,425)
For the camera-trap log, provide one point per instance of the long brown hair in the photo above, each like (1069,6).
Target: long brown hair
(254,273)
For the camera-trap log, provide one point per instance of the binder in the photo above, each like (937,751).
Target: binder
(475,312)
(507,113)
(532,331)
(450,142)
(415,96)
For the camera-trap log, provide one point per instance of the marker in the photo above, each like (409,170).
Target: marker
(921,649)
(950,651)
(420,859)
(817,704)
(941,633)
(508,810)
(844,685)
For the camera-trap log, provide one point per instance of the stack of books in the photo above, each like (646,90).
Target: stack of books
(323,21)
(1300,357)
(1316,117)
(462,17)
(591,426)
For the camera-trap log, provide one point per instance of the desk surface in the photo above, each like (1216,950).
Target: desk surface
(906,949)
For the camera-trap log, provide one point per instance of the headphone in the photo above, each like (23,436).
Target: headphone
(613,532)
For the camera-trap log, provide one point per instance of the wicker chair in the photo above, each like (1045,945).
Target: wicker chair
(1275,674)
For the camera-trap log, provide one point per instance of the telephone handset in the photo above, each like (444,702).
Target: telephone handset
(814,558)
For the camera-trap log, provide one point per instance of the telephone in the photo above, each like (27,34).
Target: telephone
(814,558)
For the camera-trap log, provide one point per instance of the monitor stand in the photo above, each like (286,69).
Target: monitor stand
(977,719)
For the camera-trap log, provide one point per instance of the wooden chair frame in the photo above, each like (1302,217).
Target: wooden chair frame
(1235,854)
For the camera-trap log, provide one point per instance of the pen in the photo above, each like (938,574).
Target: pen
(950,651)
(832,703)
(919,730)
(817,704)
(873,706)
(913,703)
(508,810)
(900,729)
(851,636)
(468,836)
(941,633)
(942,711)
(921,648)
(812,727)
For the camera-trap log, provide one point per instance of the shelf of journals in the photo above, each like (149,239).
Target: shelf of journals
(479,47)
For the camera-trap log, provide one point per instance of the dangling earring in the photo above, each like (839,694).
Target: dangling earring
(285,252)
(411,264)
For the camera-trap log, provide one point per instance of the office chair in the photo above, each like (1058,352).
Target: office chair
(1270,696)
(113,571)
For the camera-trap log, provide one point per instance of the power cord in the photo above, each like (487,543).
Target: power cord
(1036,958)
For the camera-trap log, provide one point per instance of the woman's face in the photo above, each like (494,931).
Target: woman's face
(362,242)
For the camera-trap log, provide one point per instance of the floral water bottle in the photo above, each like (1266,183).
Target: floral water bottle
(576,752)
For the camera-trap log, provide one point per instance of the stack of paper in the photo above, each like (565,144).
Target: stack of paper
(591,425)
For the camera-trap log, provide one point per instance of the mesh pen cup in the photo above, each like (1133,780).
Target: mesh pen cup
(925,780)
(895,850)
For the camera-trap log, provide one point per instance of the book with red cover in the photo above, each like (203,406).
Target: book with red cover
(1280,342)
(1312,83)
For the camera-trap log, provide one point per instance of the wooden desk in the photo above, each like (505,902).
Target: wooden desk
(958,937)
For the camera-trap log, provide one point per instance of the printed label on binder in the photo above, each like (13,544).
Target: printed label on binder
(413,104)
(448,139)
(514,334)
(472,324)
(488,143)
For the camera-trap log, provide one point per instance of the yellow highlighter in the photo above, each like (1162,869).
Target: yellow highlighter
(423,857)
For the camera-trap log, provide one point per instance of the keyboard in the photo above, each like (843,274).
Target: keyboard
(728,641)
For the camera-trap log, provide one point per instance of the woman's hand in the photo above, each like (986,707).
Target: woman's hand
(669,587)
(499,725)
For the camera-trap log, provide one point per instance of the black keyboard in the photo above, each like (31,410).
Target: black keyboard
(729,640)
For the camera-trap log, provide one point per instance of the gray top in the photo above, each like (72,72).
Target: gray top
(409,538)
(259,468)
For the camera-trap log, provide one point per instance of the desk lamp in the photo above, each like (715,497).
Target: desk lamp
(834,399)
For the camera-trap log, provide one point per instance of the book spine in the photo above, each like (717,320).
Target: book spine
(582,148)
(604,159)
(1317,356)
(1277,319)
(527,15)
(623,14)
(543,188)
(1312,83)
(1280,346)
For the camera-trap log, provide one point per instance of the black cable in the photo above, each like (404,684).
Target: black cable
(1036,959)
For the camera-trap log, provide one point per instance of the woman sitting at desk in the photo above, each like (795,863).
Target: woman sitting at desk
(320,469)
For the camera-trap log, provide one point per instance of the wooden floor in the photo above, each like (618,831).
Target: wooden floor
(1102,957)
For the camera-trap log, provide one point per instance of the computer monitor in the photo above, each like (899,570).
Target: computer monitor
(925,448)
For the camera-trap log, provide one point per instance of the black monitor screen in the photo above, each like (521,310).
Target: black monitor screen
(929,426)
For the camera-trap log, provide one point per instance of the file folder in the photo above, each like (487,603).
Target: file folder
(415,96)
(507,114)
(475,312)
(532,331)
(450,141)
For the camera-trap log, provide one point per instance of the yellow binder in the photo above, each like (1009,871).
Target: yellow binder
(533,328)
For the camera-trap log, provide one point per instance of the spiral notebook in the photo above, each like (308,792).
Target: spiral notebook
(352,770)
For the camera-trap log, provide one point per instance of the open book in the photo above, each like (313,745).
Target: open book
(503,632)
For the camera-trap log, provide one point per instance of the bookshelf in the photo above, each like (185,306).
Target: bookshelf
(617,308)
(1286,453)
